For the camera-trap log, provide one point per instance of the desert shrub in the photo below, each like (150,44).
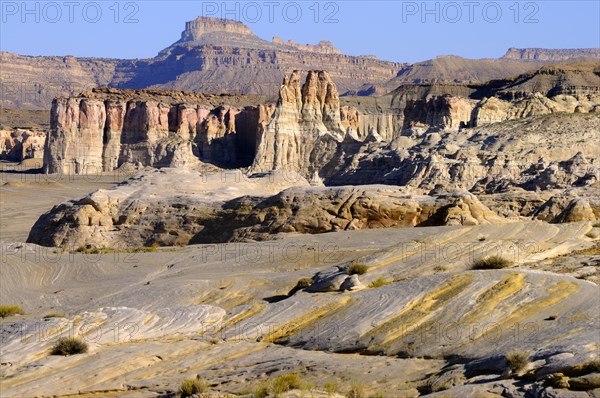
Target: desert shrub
(517,360)
(356,391)
(492,262)
(69,346)
(331,388)
(9,310)
(193,386)
(54,315)
(592,234)
(286,382)
(481,238)
(301,284)
(304,283)
(379,282)
(262,391)
(596,225)
(357,269)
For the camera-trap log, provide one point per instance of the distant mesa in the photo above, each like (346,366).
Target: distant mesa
(202,25)
(225,32)
(215,55)
(546,54)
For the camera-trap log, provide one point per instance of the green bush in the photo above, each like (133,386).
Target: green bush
(193,386)
(69,346)
(492,262)
(379,282)
(357,269)
(10,310)
(517,360)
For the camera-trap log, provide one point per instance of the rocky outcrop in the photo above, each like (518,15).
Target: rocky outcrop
(419,138)
(106,129)
(442,112)
(495,110)
(177,207)
(534,154)
(306,126)
(18,145)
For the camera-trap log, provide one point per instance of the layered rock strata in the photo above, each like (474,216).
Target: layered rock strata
(105,129)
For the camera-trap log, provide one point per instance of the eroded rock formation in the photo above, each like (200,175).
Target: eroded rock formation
(105,129)
(177,207)
(17,145)
(306,126)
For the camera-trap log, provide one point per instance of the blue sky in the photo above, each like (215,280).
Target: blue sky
(403,31)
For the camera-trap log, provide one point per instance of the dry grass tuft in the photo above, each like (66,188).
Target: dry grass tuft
(492,262)
(10,310)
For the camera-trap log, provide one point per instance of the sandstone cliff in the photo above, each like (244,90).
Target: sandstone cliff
(399,137)
(312,130)
(105,129)
(306,126)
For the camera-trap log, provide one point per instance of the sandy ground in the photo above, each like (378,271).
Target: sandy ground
(24,195)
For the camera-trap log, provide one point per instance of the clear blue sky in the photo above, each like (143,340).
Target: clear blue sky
(403,31)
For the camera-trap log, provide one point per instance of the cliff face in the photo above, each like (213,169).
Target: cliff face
(33,82)
(103,130)
(416,137)
(311,130)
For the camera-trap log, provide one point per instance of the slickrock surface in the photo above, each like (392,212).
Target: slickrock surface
(221,311)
